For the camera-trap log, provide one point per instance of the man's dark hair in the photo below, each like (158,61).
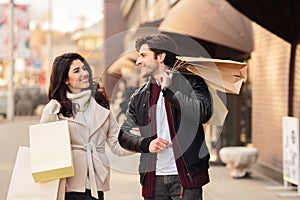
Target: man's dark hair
(159,43)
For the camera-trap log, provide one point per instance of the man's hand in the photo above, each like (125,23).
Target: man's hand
(158,145)
(165,79)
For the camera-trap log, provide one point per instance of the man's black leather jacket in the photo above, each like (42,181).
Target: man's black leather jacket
(191,106)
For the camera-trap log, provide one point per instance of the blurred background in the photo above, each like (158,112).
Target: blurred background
(40,31)
(104,32)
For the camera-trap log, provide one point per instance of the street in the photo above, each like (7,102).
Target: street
(125,180)
(12,135)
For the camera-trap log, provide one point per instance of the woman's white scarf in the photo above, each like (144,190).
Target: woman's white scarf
(80,100)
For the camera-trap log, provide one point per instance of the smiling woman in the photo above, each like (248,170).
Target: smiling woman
(78,77)
(76,98)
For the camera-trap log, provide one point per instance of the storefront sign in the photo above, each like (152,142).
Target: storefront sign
(290,134)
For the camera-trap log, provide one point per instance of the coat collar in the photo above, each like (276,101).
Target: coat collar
(98,115)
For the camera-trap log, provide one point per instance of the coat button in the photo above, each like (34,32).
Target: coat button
(144,105)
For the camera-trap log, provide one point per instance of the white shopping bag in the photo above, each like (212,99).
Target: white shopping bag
(50,151)
(22,185)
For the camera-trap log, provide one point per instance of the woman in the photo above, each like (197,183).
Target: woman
(74,97)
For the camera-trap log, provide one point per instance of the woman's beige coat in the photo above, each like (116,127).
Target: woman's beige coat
(88,138)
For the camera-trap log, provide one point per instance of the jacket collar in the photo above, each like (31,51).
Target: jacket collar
(98,113)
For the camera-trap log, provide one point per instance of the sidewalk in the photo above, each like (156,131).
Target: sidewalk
(221,187)
(125,182)
(12,135)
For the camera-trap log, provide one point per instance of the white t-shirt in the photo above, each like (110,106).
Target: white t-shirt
(165,164)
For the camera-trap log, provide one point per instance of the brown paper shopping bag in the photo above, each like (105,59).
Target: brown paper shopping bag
(22,185)
(222,75)
(50,151)
(220,111)
(224,82)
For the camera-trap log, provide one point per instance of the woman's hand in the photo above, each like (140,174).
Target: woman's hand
(52,107)
(50,111)
(135,131)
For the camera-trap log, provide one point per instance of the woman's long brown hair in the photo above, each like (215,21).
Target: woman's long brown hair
(58,87)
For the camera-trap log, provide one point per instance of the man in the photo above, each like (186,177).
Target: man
(168,111)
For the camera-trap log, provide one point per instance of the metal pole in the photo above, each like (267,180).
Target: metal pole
(10,87)
(49,43)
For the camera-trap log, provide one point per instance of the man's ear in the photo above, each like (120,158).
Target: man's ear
(161,57)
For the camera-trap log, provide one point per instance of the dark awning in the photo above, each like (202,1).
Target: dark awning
(281,17)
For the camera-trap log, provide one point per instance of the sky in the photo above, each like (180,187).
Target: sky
(66,14)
